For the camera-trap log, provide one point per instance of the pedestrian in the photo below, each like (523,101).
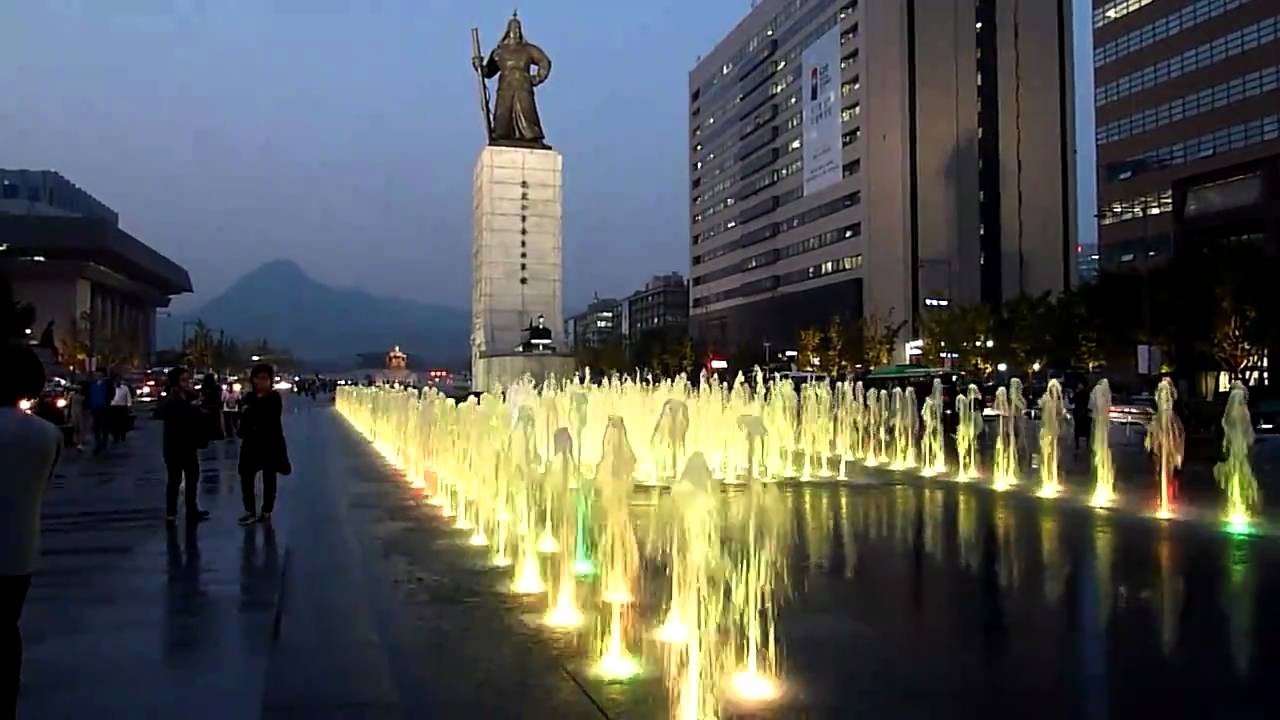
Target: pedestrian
(211,403)
(185,432)
(30,448)
(99,403)
(263,449)
(1080,415)
(231,410)
(121,402)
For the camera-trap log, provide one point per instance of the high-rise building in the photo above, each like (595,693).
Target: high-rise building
(1188,124)
(597,326)
(662,304)
(876,157)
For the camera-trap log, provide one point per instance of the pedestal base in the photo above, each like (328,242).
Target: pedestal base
(491,371)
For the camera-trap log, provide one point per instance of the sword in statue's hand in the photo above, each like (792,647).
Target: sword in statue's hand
(477,61)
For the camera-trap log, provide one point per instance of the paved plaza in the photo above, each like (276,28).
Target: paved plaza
(909,599)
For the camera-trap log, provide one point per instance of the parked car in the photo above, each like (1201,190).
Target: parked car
(1134,410)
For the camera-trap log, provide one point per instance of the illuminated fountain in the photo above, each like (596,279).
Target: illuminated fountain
(857,423)
(564,610)
(545,480)
(1005,464)
(668,440)
(1235,474)
(619,556)
(1165,441)
(761,535)
(1104,471)
(872,426)
(906,426)
(693,656)
(968,431)
(933,454)
(1052,414)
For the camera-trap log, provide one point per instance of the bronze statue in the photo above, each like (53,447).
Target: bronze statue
(514,119)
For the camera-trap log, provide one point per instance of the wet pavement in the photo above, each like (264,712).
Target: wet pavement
(909,599)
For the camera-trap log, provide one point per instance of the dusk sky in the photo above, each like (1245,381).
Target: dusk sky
(342,133)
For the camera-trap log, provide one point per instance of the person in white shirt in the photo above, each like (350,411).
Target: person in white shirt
(230,410)
(30,447)
(121,402)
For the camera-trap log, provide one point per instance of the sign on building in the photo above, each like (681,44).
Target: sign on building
(820,64)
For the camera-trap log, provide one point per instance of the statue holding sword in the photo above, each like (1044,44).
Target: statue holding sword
(514,119)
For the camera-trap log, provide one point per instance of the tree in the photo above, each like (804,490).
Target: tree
(1024,330)
(77,346)
(877,338)
(810,346)
(1236,340)
(835,359)
(958,331)
(199,347)
(680,355)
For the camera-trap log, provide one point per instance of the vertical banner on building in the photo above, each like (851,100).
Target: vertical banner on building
(820,64)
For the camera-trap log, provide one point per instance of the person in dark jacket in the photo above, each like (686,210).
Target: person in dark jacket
(262,449)
(185,432)
(99,401)
(211,403)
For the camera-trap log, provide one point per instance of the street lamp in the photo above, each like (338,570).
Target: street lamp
(255,358)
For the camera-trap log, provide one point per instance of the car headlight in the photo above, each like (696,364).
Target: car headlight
(24,405)
(60,403)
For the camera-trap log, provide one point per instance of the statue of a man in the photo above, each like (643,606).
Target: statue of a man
(515,114)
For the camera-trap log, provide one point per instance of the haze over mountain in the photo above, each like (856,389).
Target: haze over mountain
(325,324)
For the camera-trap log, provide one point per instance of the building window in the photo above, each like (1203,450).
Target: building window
(10,191)
(851,136)
(850,112)
(1217,50)
(1115,10)
(1164,27)
(1236,137)
(1246,86)
(1156,203)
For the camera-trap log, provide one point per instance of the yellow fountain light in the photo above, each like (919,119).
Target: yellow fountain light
(1164,513)
(547,544)
(672,632)
(563,617)
(1049,492)
(754,687)
(501,561)
(618,597)
(1238,524)
(529,581)
(478,538)
(1102,498)
(617,667)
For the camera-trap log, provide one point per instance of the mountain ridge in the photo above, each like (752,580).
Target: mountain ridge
(322,323)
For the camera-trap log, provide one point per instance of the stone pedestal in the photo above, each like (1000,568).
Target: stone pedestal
(516,255)
(490,371)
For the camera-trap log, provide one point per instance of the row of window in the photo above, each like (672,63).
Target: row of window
(773,282)
(1233,91)
(1115,10)
(1226,139)
(1217,50)
(768,230)
(13,191)
(1155,203)
(770,179)
(1167,26)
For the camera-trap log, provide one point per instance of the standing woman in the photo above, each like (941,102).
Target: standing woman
(263,448)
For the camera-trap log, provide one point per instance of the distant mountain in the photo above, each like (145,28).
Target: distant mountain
(324,324)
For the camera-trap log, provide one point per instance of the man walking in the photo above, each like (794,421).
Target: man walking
(185,432)
(100,396)
(30,448)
